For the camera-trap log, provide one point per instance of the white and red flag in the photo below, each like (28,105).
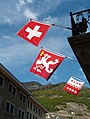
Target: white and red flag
(73,86)
(33,32)
(46,63)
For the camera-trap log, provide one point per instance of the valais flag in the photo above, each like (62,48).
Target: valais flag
(46,63)
(33,32)
(73,86)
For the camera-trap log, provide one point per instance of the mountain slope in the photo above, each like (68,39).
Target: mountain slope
(32,85)
(55,95)
(55,99)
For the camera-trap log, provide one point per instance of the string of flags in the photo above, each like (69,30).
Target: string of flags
(47,61)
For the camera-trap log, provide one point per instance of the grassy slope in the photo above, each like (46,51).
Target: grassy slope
(55,95)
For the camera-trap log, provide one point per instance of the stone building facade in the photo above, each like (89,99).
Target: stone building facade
(16,102)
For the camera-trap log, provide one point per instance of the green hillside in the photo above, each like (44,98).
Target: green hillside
(54,95)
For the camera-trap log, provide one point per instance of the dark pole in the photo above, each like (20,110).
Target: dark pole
(74,26)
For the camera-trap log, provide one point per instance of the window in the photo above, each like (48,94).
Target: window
(29,115)
(12,89)
(28,103)
(31,104)
(33,117)
(39,111)
(22,97)
(10,107)
(1,80)
(0,101)
(21,114)
(34,108)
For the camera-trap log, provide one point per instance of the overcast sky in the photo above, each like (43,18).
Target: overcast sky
(18,55)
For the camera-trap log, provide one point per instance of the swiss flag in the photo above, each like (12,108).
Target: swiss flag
(33,32)
(46,63)
(73,86)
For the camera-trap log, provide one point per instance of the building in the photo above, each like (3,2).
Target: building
(80,39)
(80,45)
(16,102)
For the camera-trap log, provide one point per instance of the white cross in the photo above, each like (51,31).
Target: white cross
(33,32)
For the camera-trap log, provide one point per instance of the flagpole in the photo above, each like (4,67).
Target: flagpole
(59,54)
(53,51)
(71,59)
(56,25)
(62,26)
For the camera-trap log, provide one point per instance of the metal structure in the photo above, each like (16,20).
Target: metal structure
(80,22)
(80,39)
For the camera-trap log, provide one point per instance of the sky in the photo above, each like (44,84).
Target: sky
(18,55)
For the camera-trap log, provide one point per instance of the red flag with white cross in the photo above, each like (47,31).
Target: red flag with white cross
(73,86)
(46,63)
(33,32)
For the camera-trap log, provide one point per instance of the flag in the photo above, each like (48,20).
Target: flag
(33,32)
(73,86)
(46,63)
